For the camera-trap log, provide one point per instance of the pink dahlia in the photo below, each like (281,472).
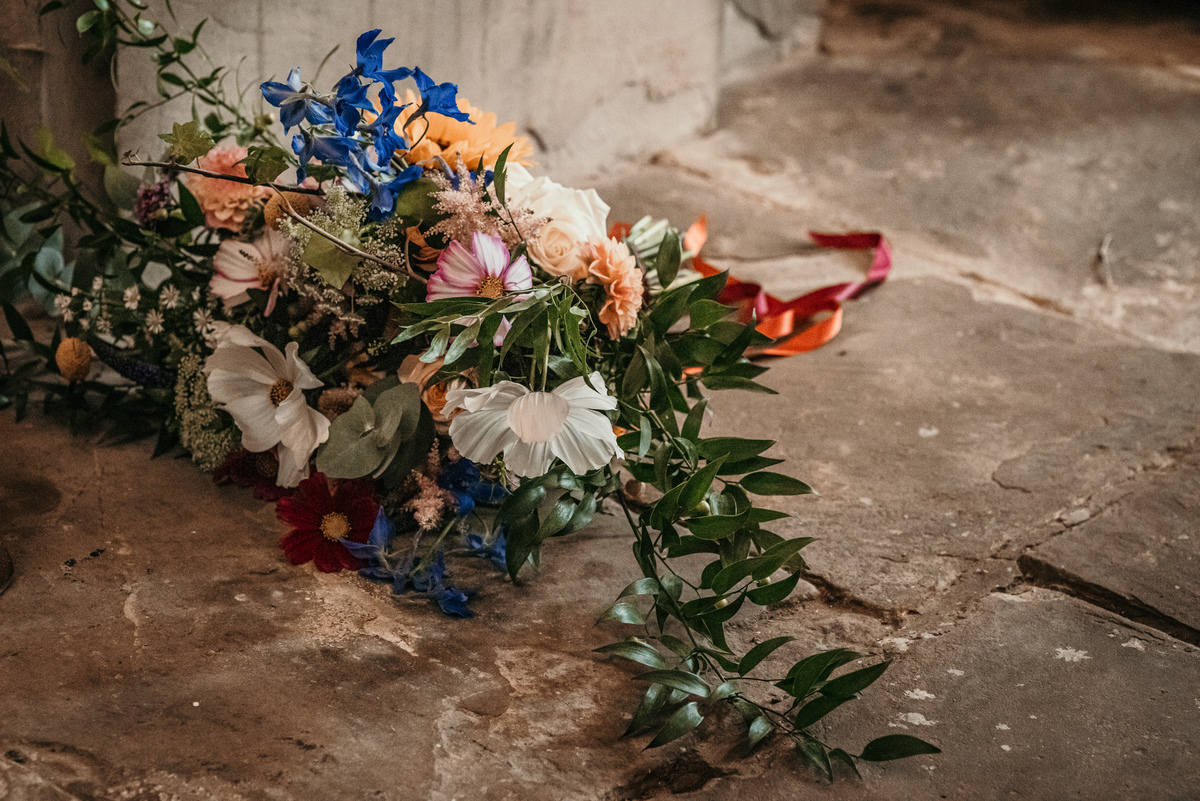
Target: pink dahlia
(224,203)
(321,519)
(484,273)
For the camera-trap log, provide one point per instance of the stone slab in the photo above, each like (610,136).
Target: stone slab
(1140,555)
(155,631)
(1037,697)
(945,434)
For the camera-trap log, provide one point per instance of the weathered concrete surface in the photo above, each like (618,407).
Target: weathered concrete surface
(1004,174)
(155,628)
(946,434)
(1036,696)
(1140,554)
(1006,392)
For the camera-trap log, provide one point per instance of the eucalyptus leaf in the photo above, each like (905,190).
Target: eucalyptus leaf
(350,452)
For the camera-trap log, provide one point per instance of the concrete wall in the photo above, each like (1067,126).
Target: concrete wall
(46,85)
(590,81)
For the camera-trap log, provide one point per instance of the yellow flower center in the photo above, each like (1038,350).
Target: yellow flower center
(279,391)
(266,274)
(334,526)
(492,286)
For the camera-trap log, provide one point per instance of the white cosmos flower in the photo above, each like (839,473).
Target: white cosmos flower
(534,428)
(261,388)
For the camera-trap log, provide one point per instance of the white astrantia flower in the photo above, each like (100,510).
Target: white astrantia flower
(534,428)
(262,389)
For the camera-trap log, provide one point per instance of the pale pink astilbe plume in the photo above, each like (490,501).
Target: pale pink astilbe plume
(224,203)
(473,210)
(431,501)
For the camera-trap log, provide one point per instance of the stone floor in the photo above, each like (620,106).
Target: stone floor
(1004,437)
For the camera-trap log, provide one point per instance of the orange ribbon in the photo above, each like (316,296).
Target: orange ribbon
(790,323)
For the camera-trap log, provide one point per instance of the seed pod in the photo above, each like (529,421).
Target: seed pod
(74,359)
(336,401)
(276,209)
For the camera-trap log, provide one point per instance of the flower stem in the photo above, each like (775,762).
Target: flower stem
(128,161)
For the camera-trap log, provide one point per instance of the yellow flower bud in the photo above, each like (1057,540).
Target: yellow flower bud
(74,359)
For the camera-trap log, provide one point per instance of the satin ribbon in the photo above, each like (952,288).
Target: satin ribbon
(789,322)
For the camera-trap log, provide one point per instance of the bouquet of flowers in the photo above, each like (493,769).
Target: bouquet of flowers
(417,348)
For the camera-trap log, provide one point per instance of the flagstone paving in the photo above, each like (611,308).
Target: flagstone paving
(1004,437)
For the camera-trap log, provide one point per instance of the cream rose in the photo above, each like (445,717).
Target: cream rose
(557,250)
(576,215)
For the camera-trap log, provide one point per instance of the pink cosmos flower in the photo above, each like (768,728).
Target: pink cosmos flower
(485,273)
(262,264)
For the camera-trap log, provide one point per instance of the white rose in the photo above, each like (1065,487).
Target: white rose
(576,215)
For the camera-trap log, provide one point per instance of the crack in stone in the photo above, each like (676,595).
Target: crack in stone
(843,599)
(1043,574)
(1010,487)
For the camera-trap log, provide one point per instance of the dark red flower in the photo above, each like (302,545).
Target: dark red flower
(257,470)
(320,518)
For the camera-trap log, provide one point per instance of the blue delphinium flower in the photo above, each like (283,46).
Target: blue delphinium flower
(382,195)
(369,55)
(495,551)
(429,577)
(439,98)
(387,139)
(339,150)
(461,477)
(364,152)
(454,602)
(296,101)
(350,100)
(429,580)
(372,551)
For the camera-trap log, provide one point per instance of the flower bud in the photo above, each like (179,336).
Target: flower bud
(276,210)
(74,359)
(721,604)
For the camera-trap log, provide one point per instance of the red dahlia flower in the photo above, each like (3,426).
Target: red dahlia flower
(320,519)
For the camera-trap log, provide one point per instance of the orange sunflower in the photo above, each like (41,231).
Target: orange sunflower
(458,141)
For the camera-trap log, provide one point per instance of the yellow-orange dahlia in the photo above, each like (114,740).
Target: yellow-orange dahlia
(458,141)
(611,265)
